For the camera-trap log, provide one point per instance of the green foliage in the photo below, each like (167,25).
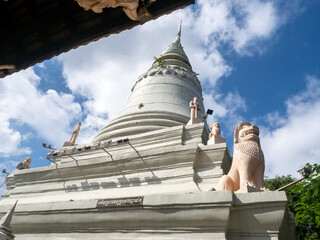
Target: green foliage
(303,201)
(306,196)
(278,182)
(159,60)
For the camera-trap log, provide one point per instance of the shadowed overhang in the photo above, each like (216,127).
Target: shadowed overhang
(36,30)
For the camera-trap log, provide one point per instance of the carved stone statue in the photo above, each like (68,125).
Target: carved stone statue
(195,107)
(74,136)
(247,169)
(25,164)
(130,7)
(215,135)
(215,130)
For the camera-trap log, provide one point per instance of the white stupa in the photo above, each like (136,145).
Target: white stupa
(159,98)
(146,175)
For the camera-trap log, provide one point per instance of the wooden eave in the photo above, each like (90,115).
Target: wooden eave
(32,31)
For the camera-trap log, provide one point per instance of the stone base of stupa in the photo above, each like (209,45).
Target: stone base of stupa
(194,121)
(205,215)
(154,186)
(68,144)
(216,140)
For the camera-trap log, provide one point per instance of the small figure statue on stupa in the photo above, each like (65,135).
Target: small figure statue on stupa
(215,135)
(74,137)
(25,164)
(195,107)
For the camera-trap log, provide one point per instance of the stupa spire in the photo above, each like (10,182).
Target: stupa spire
(174,54)
(160,98)
(178,34)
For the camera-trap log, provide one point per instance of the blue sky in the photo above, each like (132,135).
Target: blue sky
(258,61)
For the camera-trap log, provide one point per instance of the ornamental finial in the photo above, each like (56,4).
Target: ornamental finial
(179,34)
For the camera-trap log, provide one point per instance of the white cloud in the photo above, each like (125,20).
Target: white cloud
(260,23)
(10,139)
(41,65)
(293,141)
(9,166)
(227,109)
(242,24)
(2,185)
(103,72)
(47,113)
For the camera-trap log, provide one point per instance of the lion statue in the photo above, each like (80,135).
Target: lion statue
(247,169)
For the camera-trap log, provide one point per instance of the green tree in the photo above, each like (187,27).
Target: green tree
(306,198)
(159,60)
(303,201)
(278,182)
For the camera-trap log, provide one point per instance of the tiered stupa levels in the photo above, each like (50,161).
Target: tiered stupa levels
(146,175)
(160,98)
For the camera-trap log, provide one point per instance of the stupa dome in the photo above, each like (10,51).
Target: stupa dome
(160,97)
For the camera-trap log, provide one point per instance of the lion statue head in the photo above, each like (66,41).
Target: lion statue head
(246,132)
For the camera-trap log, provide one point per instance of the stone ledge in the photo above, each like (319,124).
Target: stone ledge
(206,215)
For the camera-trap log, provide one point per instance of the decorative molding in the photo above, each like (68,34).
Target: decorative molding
(6,69)
(130,7)
(5,222)
(169,70)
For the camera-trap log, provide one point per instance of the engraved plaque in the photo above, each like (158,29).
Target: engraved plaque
(120,202)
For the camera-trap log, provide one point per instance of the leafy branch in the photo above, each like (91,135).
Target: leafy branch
(159,60)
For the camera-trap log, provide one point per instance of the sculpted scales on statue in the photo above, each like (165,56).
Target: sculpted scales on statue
(247,169)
